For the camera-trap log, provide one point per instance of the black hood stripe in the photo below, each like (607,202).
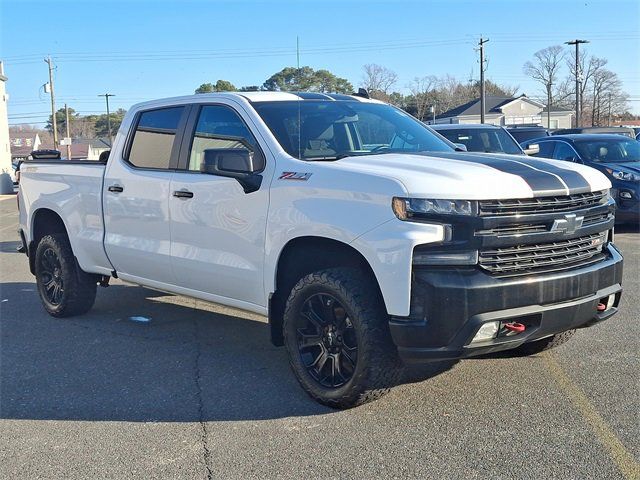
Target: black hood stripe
(574,181)
(541,182)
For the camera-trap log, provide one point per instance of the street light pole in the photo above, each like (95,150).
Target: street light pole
(577,43)
(106,97)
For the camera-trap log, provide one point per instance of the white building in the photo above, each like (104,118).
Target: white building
(5,149)
(507,111)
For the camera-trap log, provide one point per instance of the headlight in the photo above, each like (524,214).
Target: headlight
(408,208)
(631,177)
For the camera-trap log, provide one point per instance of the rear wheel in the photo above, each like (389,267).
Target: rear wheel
(337,337)
(65,290)
(548,343)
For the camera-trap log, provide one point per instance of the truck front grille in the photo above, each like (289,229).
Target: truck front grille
(539,227)
(542,204)
(551,256)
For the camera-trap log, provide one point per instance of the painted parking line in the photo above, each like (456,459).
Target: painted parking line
(624,460)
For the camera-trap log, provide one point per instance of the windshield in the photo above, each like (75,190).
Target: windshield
(332,130)
(488,140)
(609,150)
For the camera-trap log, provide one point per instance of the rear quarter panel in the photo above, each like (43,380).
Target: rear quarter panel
(74,192)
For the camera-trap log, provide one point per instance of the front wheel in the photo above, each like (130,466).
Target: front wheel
(337,337)
(65,289)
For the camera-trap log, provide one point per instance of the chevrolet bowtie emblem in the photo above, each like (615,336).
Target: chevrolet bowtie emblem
(569,224)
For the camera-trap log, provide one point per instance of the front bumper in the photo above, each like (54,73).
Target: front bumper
(450,304)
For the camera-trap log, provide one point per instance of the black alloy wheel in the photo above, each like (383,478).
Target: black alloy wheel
(335,328)
(50,272)
(64,288)
(326,340)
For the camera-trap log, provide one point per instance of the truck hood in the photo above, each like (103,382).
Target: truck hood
(479,176)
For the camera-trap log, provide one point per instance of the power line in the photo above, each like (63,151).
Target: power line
(498,37)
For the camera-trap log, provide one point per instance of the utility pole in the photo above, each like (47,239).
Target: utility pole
(549,85)
(53,103)
(106,97)
(609,122)
(577,43)
(66,112)
(482,69)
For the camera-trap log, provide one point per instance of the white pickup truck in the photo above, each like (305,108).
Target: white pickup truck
(365,237)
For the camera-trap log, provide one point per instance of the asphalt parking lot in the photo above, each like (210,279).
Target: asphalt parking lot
(199,392)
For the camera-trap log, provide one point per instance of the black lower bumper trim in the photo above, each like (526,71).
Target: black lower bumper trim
(450,304)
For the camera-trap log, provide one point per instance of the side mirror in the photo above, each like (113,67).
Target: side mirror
(532,149)
(460,147)
(232,163)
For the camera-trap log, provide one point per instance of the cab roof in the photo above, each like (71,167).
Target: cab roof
(254,97)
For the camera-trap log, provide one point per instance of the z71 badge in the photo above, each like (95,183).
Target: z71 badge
(295,176)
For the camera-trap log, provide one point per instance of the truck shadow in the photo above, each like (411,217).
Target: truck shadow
(9,247)
(187,363)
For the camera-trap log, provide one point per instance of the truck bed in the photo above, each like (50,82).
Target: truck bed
(73,190)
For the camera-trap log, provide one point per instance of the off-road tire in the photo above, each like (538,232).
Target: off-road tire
(79,287)
(378,367)
(548,343)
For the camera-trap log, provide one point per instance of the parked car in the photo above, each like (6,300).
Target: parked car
(481,138)
(522,134)
(629,132)
(362,235)
(618,157)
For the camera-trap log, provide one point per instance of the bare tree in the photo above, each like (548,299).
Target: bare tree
(545,69)
(378,79)
(587,67)
(422,90)
(606,96)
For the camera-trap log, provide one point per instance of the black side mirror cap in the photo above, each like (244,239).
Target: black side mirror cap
(232,163)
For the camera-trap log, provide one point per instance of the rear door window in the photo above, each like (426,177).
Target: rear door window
(154,137)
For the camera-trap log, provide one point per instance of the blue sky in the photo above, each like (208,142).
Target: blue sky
(141,49)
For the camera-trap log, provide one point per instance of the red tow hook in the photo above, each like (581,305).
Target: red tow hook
(601,307)
(515,327)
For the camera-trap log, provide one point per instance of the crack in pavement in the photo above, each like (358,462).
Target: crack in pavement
(201,419)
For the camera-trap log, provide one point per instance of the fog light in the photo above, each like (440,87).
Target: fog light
(625,194)
(487,331)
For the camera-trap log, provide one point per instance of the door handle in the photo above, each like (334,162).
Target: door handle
(183,194)
(115,189)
